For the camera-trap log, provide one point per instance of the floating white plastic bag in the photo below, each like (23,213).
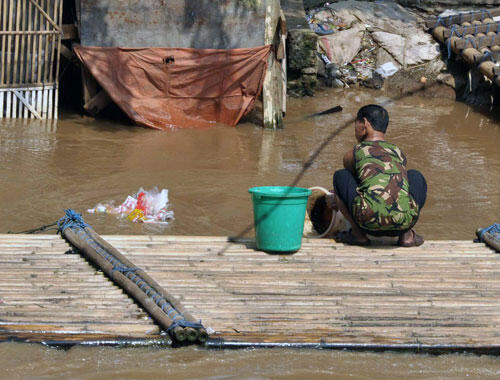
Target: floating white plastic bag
(147,206)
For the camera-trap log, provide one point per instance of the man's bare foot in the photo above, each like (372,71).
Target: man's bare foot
(410,239)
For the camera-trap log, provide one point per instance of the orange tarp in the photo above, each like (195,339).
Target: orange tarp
(165,87)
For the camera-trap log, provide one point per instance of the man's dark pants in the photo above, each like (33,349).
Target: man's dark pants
(345,185)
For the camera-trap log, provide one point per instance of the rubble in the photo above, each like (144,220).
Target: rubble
(356,38)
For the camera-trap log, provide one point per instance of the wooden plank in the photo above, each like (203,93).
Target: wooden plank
(477,43)
(89,85)
(69,32)
(27,104)
(473,29)
(97,103)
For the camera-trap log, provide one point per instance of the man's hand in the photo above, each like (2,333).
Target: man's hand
(331,201)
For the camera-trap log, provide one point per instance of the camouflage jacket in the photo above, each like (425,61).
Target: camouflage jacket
(384,202)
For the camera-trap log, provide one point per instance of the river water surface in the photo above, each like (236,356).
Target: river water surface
(80,162)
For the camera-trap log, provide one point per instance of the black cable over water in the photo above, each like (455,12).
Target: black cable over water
(312,158)
(47,227)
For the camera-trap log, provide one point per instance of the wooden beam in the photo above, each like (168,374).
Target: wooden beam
(432,22)
(477,43)
(271,92)
(473,29)
(69,32)
(97,103)
(89,85)
(68,54)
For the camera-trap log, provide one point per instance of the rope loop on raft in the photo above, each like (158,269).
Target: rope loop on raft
(494,229)
(184,323)
(72,219)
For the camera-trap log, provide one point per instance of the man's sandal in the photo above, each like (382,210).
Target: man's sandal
(346,237)
(416,242)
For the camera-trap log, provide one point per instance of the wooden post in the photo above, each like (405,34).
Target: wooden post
(89,85)
(272,90)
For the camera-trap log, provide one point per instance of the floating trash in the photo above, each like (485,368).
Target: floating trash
(146,206)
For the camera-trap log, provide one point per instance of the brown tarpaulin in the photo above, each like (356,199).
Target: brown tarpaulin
(165,87)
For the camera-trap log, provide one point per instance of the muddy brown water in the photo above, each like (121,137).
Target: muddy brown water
(79,162)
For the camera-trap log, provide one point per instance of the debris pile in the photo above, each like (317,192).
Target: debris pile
(362,43)
(145,206)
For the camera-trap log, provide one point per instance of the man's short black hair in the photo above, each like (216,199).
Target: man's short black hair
(376,115)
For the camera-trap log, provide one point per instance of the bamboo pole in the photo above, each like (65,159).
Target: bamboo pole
(3,50)
(129,286)
(25,32)
(16,42)
(192,334)
(47,47)
(32,44)
(44,14)
(25,66)
(24,46)
(2,17)
(3,11)
(9,42)
(39,54)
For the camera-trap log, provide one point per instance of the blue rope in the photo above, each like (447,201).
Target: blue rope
(486,56)
(483,11)
(454,32)
(71,220)
(184,323)
(439,21)
(124,270)
(494,229)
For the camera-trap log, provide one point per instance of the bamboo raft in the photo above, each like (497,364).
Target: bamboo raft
(475,37)
(442,296)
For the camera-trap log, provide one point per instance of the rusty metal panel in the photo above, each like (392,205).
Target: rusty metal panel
(201,24)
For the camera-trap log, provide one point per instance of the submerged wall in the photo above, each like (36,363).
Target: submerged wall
(200,24)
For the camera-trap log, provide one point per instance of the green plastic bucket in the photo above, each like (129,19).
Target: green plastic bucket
(279,213)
